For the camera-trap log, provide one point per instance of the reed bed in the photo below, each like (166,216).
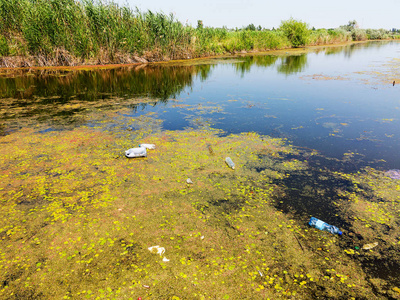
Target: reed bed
(69,32)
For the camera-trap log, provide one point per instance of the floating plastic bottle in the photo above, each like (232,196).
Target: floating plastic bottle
(148,146)
(136,152)
(321,225)
(229,162)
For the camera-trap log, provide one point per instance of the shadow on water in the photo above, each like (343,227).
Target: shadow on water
(314,192)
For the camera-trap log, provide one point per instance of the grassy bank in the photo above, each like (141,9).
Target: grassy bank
(67,32)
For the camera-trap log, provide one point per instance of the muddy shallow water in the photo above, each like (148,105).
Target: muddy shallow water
(311,133)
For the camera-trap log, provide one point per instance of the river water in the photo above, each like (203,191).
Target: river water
(340,105)
(335,100)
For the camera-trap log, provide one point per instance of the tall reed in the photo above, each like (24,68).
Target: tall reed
(330,36)
(68,32)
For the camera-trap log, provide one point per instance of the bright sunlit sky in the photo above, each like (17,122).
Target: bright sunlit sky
(238,13)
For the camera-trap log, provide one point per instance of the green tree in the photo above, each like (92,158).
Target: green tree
(350,26)
(250,27)
(297,32)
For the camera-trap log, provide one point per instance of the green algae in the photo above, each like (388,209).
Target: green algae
(77,217)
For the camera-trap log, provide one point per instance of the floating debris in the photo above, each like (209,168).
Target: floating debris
(370,246)
(229,162)
(210,149)
(189,181)
(148,146)
(321,225)
(394,173)
(157,249)
(136,152)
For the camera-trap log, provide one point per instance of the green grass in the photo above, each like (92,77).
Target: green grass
(68,32)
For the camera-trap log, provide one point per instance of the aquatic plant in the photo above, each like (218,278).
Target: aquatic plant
(77,213)
(72,32)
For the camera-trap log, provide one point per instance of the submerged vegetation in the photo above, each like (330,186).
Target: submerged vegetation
(68,32)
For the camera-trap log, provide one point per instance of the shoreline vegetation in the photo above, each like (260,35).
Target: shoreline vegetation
(44,33)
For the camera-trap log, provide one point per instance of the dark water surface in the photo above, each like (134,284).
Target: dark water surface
(336,100)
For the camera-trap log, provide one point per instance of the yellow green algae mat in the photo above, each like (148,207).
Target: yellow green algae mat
(78,218)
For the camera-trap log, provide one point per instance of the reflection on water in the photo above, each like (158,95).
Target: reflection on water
(290,64)
(60,95)
(248,61)
(313,98)
(155,81)
(293,64)
(62,86)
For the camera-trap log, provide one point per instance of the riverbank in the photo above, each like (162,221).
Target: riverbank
(63,58)
(70,33)
(5,71)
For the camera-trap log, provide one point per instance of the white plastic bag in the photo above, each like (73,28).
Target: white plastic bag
(148,146)
(136,152)
(158,250)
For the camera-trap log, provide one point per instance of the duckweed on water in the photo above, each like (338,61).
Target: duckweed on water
(77,218)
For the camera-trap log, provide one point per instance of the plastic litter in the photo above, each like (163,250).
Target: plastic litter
(394,173)
(370,246)
(210,149)
(321,225)
(148,146)
(189,181)
(229,162)
(157,250)
(136,152)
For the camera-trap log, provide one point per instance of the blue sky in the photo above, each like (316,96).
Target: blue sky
(238,13)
